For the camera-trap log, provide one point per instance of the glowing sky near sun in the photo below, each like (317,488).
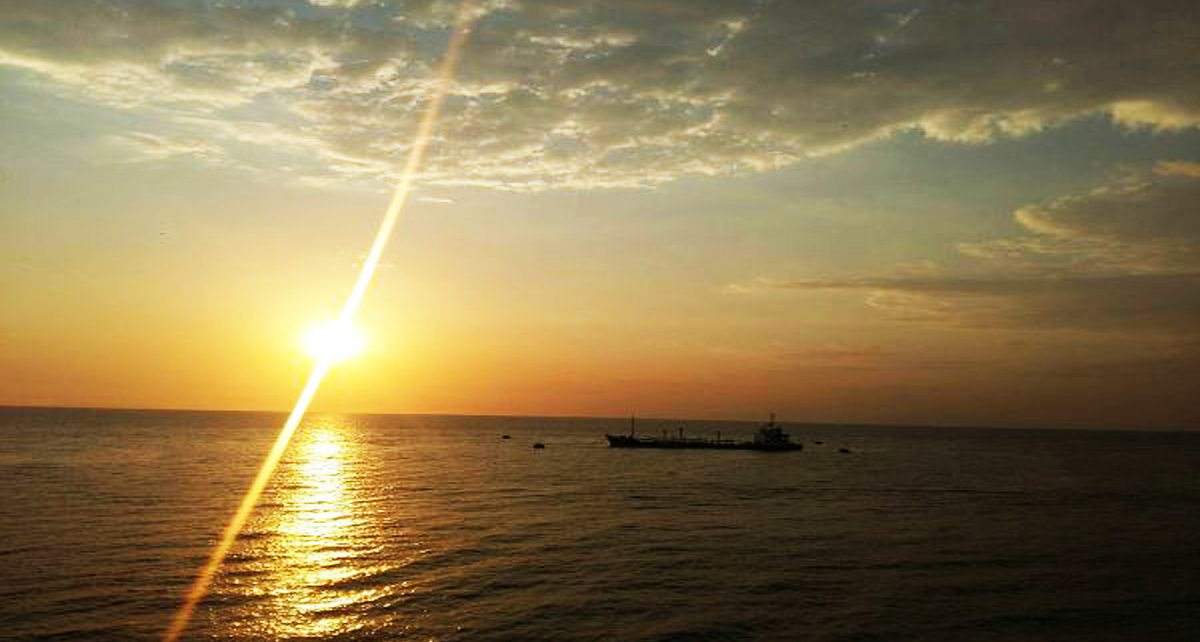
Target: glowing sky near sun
(850,211)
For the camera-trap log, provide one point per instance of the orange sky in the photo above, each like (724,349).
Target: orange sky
(1011,243)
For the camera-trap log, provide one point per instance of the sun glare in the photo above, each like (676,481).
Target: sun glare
(333,341)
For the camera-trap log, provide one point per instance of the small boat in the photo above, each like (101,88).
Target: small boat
(539,445)
(770,437)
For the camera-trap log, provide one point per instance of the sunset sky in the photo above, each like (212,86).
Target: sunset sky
(946,213)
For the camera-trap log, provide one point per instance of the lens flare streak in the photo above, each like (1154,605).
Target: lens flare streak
(416,154)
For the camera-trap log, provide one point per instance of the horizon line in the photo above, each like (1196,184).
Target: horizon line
(839,424)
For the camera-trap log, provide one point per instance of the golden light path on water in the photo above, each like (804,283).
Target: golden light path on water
(322,535)
(416,154)
(313,533)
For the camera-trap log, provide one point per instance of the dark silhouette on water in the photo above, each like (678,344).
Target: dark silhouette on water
(770,437)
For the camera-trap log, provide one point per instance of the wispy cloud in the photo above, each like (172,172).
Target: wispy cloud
(435,199)
(1122,256)
(1167,302)
(1146,223)
(147,147)
(587,94)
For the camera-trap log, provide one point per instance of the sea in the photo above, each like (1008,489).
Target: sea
(406,527)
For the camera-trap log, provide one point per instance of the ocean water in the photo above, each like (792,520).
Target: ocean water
(435,528)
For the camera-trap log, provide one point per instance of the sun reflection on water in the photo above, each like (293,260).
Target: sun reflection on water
(312,570)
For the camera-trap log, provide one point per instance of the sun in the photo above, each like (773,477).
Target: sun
(333,341)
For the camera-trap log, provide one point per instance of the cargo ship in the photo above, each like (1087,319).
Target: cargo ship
(769,437)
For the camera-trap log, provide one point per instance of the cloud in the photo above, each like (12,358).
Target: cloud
(1137,224)
(1178,168)
(1123,256)
(435,199)
(583,93)
(146,147)
(1152,302)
